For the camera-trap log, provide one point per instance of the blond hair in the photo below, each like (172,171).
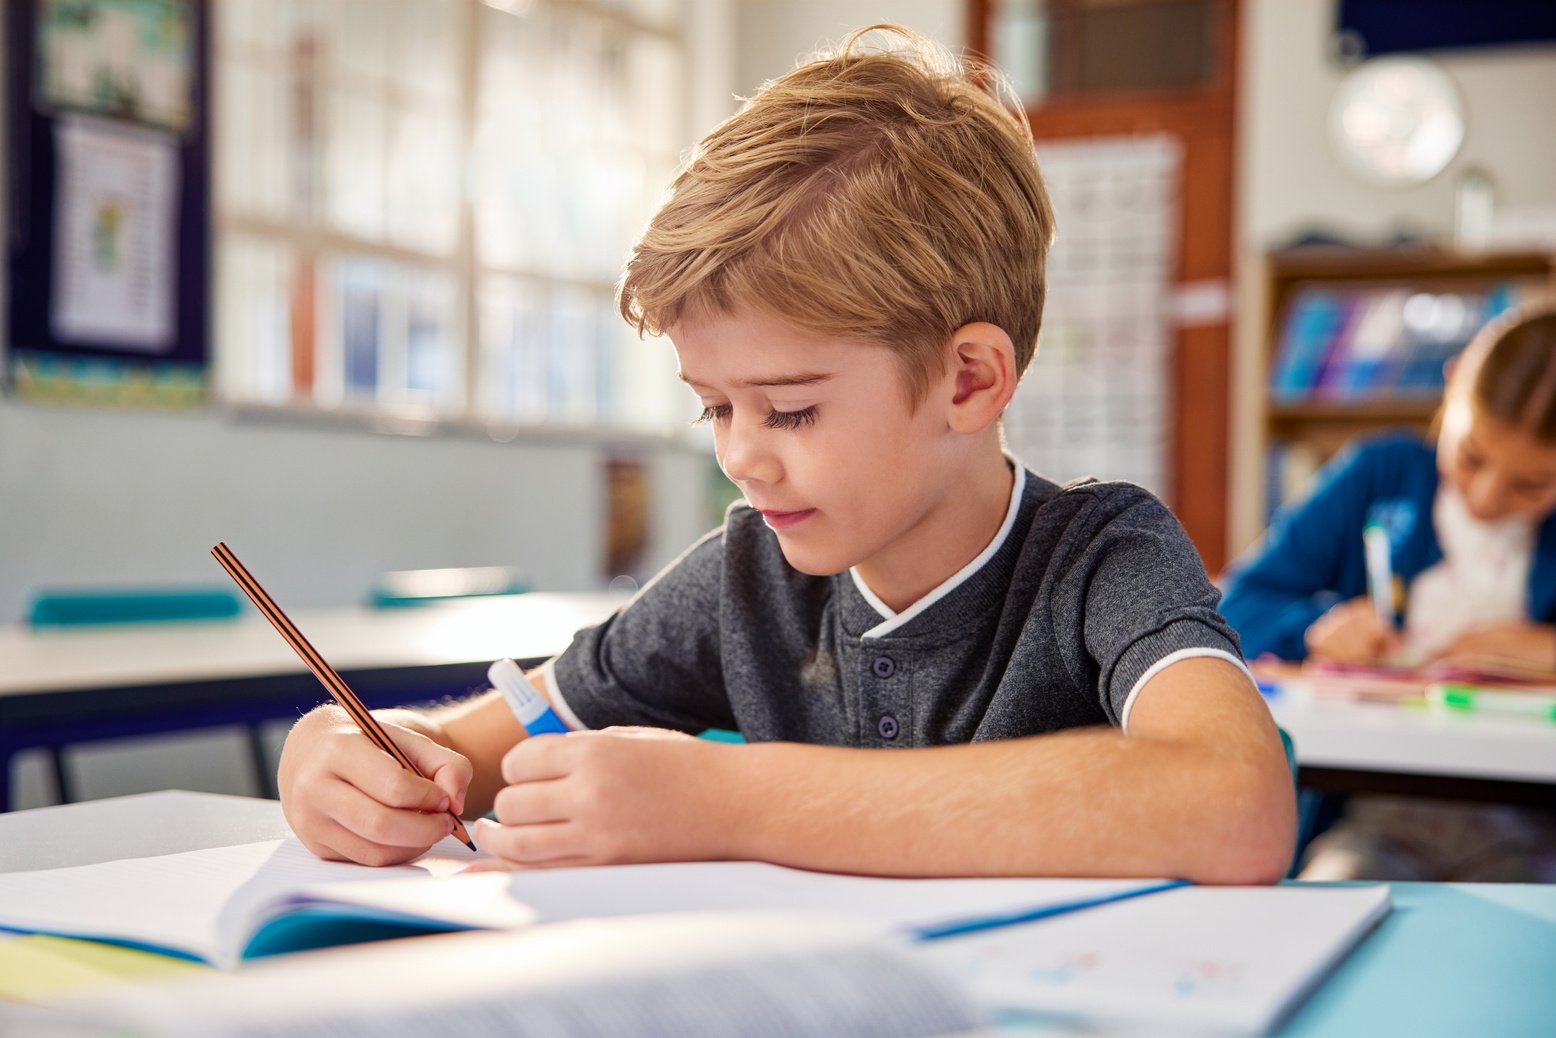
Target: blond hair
(1509,369)
(879,194)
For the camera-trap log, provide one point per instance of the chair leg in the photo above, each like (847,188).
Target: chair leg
(62,781)
(263,772)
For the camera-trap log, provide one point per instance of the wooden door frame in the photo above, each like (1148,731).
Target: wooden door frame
(1204,120)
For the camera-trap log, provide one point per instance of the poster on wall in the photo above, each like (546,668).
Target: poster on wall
(130,60)
(113,239)
(107,298)
(1095,401)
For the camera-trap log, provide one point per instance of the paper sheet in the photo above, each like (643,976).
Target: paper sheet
(1223,958)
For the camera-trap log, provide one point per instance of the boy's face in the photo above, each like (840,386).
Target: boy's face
(1501,472)
(820,437)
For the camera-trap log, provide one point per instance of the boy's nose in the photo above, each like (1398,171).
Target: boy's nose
(746,458)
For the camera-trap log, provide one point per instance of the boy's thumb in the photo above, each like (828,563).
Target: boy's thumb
(448,770)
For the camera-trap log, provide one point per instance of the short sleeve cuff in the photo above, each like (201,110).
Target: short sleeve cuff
(1148,656)
(558,700)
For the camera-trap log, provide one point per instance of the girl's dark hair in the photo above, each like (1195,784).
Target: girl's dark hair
(1513,373)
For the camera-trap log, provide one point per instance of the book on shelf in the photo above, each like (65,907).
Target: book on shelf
(1307,335)
(1370,350)
(1372,341)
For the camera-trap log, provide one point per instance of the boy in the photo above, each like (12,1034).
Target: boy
(851,273)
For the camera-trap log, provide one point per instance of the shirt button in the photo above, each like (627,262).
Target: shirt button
(884,666)
(887,726)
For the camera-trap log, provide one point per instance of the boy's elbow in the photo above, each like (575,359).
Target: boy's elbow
(1253,836)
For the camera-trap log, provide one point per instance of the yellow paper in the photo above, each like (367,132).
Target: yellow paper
(37,966)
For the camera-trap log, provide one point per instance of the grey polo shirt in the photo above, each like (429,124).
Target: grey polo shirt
(1085,593)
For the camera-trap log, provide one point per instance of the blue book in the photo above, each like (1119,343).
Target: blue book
(1306,337)
(1376,348)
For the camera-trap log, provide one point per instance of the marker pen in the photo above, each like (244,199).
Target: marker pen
(1472,699)
(1380,571)
(528,706)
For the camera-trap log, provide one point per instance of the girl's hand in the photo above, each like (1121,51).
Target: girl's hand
(346,799)
(1517,640)
(608,797)
(1351,632)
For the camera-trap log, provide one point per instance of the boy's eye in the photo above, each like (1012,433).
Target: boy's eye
(790,419)
(718,412)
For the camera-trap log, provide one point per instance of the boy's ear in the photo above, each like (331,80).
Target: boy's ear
(982,370)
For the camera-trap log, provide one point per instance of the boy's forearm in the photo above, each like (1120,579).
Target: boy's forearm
(1088,802)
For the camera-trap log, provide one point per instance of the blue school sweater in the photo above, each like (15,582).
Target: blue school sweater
(1312,556)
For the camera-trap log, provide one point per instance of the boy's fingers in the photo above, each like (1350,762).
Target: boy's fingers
(368,818)
(349,846)
(532,846)
(528,804)
(535,759)
(447,775)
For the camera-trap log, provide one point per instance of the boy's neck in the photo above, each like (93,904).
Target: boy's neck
(956,534)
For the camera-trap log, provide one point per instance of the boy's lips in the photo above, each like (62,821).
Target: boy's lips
(779,519)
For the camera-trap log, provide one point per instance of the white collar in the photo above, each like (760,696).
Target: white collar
(893,619)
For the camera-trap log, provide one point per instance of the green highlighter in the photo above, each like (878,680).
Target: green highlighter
(1472,699)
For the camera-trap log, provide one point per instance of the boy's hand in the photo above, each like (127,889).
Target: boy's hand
(606,797)
(1528,643)
(348,800)
(1351,633)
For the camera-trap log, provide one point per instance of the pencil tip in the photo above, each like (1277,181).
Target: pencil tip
(472,846)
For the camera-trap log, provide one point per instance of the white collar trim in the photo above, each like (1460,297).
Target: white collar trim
(892,619)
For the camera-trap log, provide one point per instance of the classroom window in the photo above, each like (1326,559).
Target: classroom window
(423,205)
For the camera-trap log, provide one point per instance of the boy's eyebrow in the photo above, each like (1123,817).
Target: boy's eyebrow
(806,379)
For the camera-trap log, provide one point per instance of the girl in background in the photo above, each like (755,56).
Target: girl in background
(1471,527)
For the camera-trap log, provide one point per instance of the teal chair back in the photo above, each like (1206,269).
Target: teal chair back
(408,587)
(69,607)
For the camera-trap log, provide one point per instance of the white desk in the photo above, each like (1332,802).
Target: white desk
(1451,959)
(1345,746)
(77,684)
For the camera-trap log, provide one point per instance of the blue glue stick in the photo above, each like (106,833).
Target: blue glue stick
(528,706)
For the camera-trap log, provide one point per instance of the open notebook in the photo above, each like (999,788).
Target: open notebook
(227,904)
(224,904)
(1225,958)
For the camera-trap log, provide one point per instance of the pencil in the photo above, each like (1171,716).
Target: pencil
(333,683)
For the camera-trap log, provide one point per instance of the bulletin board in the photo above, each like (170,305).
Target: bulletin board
(1097,401)
(108,185)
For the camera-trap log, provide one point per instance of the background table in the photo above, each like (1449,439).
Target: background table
(69,685)
(1348,747)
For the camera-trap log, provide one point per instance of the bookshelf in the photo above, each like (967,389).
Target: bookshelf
(1355,342)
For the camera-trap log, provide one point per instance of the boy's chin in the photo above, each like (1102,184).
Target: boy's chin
(810,563)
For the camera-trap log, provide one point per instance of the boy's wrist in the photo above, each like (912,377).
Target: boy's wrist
(733,801)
